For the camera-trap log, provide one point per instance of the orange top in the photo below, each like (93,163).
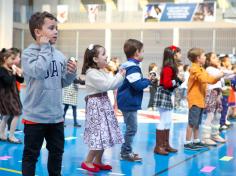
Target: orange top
(18,85)
(197,85)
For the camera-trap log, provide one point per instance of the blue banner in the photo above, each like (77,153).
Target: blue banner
(180,12)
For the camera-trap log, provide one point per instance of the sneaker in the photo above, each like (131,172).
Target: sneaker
(131,157)
(209,142)
(200,145)
(223,127)
(227,123)
(218,138)
(190,146)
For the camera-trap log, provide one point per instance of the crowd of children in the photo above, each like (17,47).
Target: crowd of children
(46,72)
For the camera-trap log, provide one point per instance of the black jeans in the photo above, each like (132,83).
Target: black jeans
(33,140)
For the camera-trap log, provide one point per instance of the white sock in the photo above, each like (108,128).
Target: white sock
(196,140)
(188,142)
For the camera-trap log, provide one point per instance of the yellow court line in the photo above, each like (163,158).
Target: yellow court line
(11,170)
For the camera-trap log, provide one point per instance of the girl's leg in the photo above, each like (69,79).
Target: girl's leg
(88,164)
(3,127)
(65,110)
(90,158)
(215,129)
(74,108)
(98,161)
(206,129)
(12,137)
(168,118)
(98,157)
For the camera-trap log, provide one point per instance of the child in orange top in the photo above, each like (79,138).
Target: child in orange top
(197,85)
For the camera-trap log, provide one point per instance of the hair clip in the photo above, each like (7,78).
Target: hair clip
(91,46)
(173,48)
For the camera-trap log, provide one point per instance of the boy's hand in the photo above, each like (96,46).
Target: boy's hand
(122,71)
(71,66)
(43,40)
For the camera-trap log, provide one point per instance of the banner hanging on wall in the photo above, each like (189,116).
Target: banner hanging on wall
(180,12)
(62,13)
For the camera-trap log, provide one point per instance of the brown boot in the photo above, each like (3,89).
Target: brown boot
(168,148)
(159,148)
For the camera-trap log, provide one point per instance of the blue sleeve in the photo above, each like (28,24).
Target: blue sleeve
(136,80)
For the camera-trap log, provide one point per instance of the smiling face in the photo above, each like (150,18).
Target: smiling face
(17,59)
(214,60)
(49,30)
(101,58)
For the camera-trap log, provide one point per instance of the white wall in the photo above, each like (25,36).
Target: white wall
(6,23)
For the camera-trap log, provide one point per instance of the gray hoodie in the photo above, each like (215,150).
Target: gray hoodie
(45,75)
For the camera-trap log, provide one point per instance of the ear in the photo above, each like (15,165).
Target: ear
(37,32)
(136,54)
(95,59)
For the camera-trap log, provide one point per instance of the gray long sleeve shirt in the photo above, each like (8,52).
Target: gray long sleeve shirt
(45,75)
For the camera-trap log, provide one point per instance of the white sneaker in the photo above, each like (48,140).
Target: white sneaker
(218,138)
(208,141)
(224,127)
(150,109)
(228,123)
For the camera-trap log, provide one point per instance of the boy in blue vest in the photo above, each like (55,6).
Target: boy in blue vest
(130,95)
(46,71)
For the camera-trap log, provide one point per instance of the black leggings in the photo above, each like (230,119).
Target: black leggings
(74,112)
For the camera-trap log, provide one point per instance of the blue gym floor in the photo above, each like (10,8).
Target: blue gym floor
(183,163)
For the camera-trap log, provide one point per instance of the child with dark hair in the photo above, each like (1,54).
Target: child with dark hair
(101,126)
(130,95)
(168,82)
(12,121)
(210,128)
(70,98)
(152,70)
(227,92)
(10,104)
(46,72)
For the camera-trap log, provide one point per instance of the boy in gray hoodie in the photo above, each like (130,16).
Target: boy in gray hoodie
(46,72)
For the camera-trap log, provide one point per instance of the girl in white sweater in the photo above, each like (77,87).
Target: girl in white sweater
(101,126)
(210,128)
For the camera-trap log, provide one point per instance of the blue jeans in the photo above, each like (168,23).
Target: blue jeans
(130,119)
(224,111)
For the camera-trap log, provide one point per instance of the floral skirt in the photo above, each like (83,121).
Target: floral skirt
(101,126)
(213,101)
